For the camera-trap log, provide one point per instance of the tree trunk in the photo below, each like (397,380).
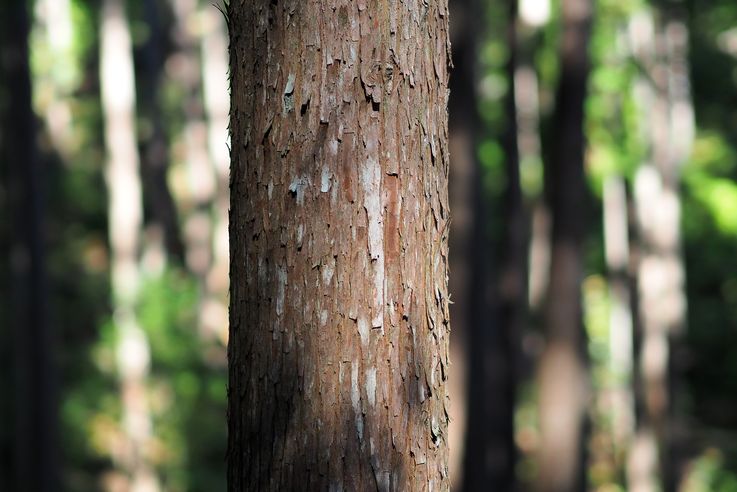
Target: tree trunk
(197,196)
(125,218)
(214,54)
(34,424)
(489,454)
(204,201)
(155,159)
(667,119)
(53,19)
(463,182)
(563,378)
(618,394)
(339,303)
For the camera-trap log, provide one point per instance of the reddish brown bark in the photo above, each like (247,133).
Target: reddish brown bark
(339,308)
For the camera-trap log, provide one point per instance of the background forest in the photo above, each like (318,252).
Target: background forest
(113,221)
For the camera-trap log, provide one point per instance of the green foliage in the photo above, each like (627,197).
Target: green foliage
(612,116)
(187,387)
(596,318)
(187,384)
(491,156)
(710,233)
(709,474)
(167,313)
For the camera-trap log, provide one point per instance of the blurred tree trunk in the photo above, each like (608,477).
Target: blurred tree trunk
(534,236)
(54,20)
(463,188)
(619,395)
(214,55)
(511,279)
(125,219)
(667,119)
(562,372)
(536,220)
(529,225)
(204,198)
(197,194)
(155,159)
(339,217)
(489,452)
(34,425)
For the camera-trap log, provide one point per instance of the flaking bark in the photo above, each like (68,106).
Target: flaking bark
(339,307)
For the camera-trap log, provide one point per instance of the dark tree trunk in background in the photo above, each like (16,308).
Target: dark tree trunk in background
(562,373)
(160,206)
(511,278)
(464,263)
(339,218)
(463,186)
(35,410)
(489,451)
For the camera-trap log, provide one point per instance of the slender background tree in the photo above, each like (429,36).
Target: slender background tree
(125,223)
(562,371)
(34,417)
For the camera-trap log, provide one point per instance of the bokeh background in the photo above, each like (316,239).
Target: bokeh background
(113,222)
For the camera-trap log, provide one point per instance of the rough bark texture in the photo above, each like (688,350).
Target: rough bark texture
(339,308)
(563,378)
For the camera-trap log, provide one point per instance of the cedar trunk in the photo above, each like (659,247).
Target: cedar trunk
(339,306)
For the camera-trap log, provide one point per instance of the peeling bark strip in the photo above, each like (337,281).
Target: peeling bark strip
(339,306)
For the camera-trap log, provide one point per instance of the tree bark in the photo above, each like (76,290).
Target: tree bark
(339,303)
(563,378)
